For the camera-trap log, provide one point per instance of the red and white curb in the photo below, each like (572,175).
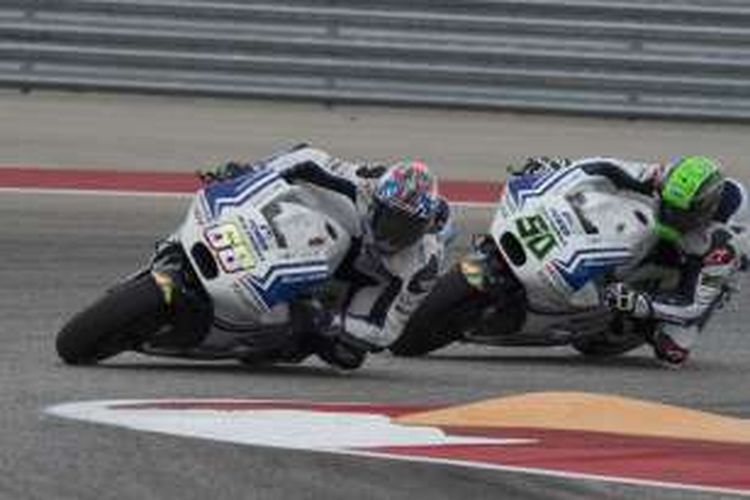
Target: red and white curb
(114,182)
(484,435)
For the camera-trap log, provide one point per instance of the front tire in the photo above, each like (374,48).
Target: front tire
(626,335)
(448,311)
(117,321)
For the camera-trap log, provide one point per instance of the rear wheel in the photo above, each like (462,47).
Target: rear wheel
(117,321)
(449,310)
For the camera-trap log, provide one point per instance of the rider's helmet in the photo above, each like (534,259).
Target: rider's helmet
(690,194)
(404,206)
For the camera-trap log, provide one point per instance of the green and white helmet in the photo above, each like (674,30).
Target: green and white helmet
(690,195)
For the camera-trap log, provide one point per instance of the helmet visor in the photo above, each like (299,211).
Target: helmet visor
(698,215)
(394,228)
(682,220)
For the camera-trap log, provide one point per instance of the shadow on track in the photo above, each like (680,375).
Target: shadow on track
(631,362)
(262,370)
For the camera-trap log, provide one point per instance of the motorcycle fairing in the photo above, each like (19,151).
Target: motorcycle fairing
(522,188)
(562,231)
(284,282)
(586,265)
(269,246)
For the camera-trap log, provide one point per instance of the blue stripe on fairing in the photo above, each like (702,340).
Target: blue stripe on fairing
(236,191)
(283,282)
(581,268)
(524,187)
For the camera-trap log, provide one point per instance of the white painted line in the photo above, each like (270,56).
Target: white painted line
(93,192)
(553,473)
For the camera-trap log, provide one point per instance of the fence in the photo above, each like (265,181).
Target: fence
(628,58)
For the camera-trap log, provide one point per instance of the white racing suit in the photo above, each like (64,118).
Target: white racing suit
(708,258)
(384,289)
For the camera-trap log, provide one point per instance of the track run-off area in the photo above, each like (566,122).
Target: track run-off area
(88,183)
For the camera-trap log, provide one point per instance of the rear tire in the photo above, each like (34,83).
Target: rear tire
(117,321)
(442,318)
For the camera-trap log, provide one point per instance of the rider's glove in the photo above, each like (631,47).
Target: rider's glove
(371,171)
(442,223)
(224,172)
(621,298)
(341,349)
(538,165)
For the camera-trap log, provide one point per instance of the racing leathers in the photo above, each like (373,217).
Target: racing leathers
(383,288)
(708,258)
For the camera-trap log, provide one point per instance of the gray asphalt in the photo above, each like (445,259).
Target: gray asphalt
(60,251)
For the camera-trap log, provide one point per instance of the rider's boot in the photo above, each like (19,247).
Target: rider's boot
(672,344)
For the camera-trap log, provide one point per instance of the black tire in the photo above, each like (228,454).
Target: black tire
(602,348)
(117,321)
(445,314)
(626,338)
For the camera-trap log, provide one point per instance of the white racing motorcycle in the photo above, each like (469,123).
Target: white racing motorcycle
(534,280)
(233,282)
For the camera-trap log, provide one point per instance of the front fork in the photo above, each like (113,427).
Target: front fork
(190,307)
(484,267)
(485,270)
(168,267)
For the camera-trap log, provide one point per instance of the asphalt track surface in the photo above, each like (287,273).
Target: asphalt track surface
(61,250)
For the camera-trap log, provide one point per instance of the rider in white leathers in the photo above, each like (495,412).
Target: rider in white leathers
(703,219)
(398,225)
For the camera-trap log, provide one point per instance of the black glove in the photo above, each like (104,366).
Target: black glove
(371,171)
(541,164)
(224,172)
(343,351)
(442,214)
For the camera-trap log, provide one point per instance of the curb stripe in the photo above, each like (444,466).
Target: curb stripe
(31,177)
(400,433)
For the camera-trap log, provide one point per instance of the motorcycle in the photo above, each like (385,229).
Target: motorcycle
(534,279)
(243,277)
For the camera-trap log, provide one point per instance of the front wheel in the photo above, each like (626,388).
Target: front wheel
(117,321)
(452,307)
(625,336)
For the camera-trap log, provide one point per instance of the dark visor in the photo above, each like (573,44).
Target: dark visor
(394,229)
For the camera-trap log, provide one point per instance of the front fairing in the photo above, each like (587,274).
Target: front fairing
(256,246)
(562,235)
